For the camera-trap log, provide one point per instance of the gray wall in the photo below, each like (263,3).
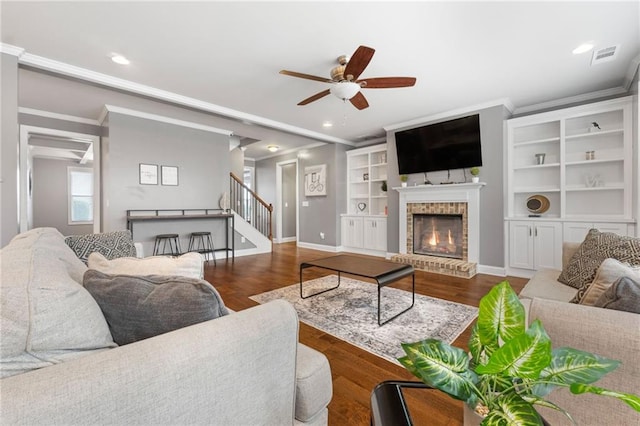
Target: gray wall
(9,148)
(202,159)
(491,196)
(237,162)
(50,207)
(289,203)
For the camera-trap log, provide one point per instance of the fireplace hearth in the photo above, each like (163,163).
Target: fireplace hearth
(438,235)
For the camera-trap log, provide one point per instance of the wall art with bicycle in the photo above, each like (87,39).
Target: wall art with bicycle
(315,180)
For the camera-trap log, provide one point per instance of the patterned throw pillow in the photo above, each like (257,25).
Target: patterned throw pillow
(596,247)
(110,244)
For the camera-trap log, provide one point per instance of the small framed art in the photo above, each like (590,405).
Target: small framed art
(170,175)
(148,174)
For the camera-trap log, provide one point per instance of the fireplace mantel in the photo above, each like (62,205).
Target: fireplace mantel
(449,193)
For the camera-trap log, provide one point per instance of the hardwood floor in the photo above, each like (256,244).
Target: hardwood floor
(355,371)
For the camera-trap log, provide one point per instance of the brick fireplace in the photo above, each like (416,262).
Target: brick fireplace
(439,228)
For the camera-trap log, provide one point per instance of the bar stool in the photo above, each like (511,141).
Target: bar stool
(203,244)
(162,241)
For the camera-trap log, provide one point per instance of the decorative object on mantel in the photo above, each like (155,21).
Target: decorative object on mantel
(315,180)
(148,174)
(475,174)
(403,180)
(537,204)
(169,175)
(510,367)
(362,206)
(540,158)
(224,202)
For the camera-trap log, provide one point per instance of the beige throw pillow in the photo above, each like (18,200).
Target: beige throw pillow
(188,265)
(609,272)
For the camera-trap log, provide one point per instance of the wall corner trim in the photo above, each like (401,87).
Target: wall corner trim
(11,50)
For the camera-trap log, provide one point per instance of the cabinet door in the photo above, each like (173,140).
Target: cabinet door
(547,238)
(521,245)
(575,232)
(375,234)
(352,232)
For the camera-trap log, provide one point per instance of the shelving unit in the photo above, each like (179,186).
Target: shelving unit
(364,226)
(587,174)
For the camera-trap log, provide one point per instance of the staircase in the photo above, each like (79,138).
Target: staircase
(253,214)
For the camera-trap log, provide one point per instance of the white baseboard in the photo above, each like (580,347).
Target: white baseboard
(364,251)
(220,255)
(492,270)
(286,240)
(320,247)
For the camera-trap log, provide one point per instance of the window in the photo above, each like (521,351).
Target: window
(80,182)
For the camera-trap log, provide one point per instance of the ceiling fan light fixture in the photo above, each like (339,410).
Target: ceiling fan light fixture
(345,90)
(273,148)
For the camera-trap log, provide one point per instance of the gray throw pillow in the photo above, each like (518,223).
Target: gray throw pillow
(596,247)
(623,295)
(139,307)
(111,245)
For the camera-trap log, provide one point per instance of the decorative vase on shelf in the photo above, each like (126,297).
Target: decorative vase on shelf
(403,184)
(475,179)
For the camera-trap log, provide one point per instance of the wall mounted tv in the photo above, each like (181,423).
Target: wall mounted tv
(453,144)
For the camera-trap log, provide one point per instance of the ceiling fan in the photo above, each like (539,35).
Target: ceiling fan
(345,82)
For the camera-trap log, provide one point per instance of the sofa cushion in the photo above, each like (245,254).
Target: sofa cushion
(46,316)
(596,247)
(111,244)
(544,284)
(139,307)
(188,265)
(609,271)
(622,295)
(314,388)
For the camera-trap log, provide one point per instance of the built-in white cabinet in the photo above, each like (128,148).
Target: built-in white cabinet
(535,244)
(366,173)
(581,160)
(365,234)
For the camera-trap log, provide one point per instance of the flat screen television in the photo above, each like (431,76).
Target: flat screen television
(453,144)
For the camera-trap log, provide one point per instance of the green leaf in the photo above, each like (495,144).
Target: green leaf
(441,366)
(524,356)
(501,315)
(511,409)
(573,366)
(632,400)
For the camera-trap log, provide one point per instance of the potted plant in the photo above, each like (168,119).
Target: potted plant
(475,172)
(403,180)
(510,368)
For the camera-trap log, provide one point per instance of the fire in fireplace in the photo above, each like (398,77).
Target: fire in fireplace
(438,235)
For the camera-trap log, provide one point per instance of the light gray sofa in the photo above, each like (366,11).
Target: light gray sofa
(609,333)
(246,368)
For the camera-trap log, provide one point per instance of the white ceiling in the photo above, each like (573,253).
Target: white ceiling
(228,54)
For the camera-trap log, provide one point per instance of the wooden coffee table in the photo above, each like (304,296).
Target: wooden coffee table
(382,271)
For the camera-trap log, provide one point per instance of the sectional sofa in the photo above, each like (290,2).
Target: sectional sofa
(60,364)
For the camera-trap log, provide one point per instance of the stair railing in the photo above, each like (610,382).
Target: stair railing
(251,207)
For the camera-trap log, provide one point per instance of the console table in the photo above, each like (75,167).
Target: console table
(134,216)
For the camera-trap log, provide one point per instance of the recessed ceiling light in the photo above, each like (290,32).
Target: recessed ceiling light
(327,124)
(119,59)
(273,148)
(583,48)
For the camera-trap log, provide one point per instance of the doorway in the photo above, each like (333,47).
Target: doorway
(59,180)
(287,201)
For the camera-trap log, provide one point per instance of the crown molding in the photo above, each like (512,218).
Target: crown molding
(631,73)
(505,102)
(11,50)
(289,151)
(160,118)
(583,98)
(57,67)
(56,116)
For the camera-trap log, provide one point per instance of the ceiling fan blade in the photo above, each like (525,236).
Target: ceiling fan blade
(315,97)
(387,82)
(359,101)
(358,62)
(306,76)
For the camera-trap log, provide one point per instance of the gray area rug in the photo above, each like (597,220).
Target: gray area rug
(350,313)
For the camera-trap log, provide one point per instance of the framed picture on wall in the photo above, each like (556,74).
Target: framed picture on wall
(148,174)
(169,175)
(315,180)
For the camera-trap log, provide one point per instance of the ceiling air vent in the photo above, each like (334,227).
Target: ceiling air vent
(605,55)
